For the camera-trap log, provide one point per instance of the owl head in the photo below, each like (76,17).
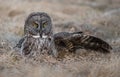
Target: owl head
(38,24)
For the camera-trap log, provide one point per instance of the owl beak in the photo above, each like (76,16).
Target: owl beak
(41,35)
(40,30)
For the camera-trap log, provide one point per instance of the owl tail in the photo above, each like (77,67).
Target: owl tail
(91,42)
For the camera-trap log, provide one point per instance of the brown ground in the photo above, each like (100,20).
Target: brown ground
(96,17)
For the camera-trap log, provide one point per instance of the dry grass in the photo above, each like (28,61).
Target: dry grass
(90,65)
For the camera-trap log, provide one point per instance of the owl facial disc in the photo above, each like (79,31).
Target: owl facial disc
(38,25)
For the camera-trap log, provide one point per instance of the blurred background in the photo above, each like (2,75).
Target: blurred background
(100,18)
(96,17)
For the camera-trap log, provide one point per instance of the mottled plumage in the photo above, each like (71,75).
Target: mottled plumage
(38,38)
(37,35)
(70,42)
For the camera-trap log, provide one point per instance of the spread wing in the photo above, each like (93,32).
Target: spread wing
(76,40)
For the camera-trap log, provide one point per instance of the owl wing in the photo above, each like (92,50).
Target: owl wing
(24,45)
(63,42)
(19,44)
(77,40)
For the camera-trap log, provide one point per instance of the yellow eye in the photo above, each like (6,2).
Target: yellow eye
(44,24)
(35,24)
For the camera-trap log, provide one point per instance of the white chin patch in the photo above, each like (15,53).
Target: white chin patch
(44,36)
(37,36)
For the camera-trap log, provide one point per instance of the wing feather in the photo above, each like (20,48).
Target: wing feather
(80,40)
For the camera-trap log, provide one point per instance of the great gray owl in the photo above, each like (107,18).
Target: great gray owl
(38,38)
(37,35)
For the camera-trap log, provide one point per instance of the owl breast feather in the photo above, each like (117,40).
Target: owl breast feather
(35,46)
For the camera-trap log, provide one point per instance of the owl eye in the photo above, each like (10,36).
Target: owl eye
(45,24)
(35,24)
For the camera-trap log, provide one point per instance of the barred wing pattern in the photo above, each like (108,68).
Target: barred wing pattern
(77,40)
